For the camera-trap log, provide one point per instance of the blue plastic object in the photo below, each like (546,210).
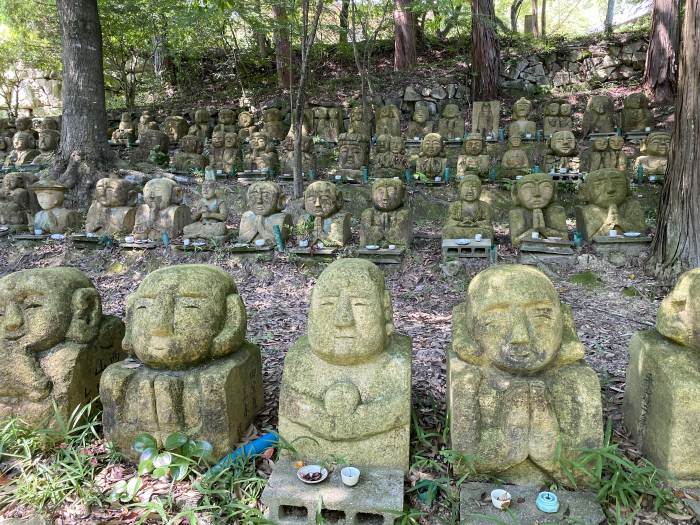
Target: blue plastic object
(365,174)
(278,237)
(407,175)
(501,135)
(257,446)
(547,502)
(446,174)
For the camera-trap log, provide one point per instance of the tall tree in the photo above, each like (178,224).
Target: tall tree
(485,51)
(535,24)
(283,48)
(609,15)
(676,246)
(343,22)
(660,70)
(543,15)
(404,36)
(514,10)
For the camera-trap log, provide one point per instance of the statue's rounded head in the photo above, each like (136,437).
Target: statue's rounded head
(259,140)
(320,113)
(474,144)
(636,101)
(421,114)
(322,199)
(265,198)
(657,143)
(397,145)
(184,315)
(600,143)
(217,138)
(470,188)
(23,140)
(431,146)
(245,119)
(13,180)
(383,143)
(161,193)
(563,143)
(616,142)
(605,187)
(112,192)
(551,109)
(450,111)
(601,104)
(350,317)
(272,115)
(514,141)
(201,116)
(226,116)
(230,139)
(49,193)
(678,317)
(388,194)
(565,110)
(190,144)
(534,191)
(522,108)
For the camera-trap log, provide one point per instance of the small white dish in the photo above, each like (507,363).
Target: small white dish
(4,228)
(350,476)
(535,235)
(438,179)
(562,170)
(632,234)
(392,246)
(128,239)
(612,233)
(199,243)
(304,474)
(57,236)
(304,243)
(501,498)
(259,242)
(38,231)
(372,247)
(554,238)
(338,177)
(462,242)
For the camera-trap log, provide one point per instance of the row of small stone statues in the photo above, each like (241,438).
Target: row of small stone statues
(520,395)
(25,145)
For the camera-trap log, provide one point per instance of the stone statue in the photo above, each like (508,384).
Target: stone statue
(610,205)
(388,121)
(474,158)
(176,127)
(360,124)
(655,160)
(144,121)
(308,159)
(562,152)
(451,123)
(636,115)
(246,126)
(161,211)
(469,215)
(335,116)
(14,202)
(5,139)
(353,153)
(536,209)
(515,161)
(195,373)
(266,202)
(599,116)
(615,157)
(557,117)
(485,117)
(54,344)
(23,152)
(200,128)
(50,123)
(389,221)
(324,221)
(520,393)
(390,160)
(273,124)
(321,122)
(53,217)
(125,132)
(209,216)
(346,385)
(432,160)
(521,125)
(48,143)
(224,150)
(150,138)
(113,211)
(262,155)
(598,154)
(226,121)
(420,124)
(189,155)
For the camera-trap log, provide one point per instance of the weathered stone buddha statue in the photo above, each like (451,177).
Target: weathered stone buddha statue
(515,161)
(125,132)
(144,120)
(324,221)
(420,124)
(615,157)
(521,124)
(562,152)
(150,137)
(273,124)
(474,158)
(262,155)
(24,152)
(469,215)
(161,211)
(226,121)
(610,205)
(209,215)
(266,202)
(176,127)
(308,159)
(432,160)
(246,125)
(200,128)
(636,115)
(599,116)
(321,125)
(520,393)
(224,150)
(14,202)
(598,154)
(346,385)
(189,155)
(390,161)
(660,406)
(335,116)
(655,159)
(388,221)
(551,118)
(485,116)
(360,124)
(536,209)
(194,371)
(451,123)
(54,344)
(353,153)
(5,139)
(48,143)
(388,121)
(114,209)
(380,152)
(53,217)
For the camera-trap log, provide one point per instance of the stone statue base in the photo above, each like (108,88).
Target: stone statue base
(347,175)
(548,251)
(383,255)
(618,250)
(451,249)
(252,175)
(662,404)
(212,231)
(215,402)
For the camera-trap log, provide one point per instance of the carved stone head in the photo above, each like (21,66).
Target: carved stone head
(657,143)
(636,101)
(322,199)
(616,142)
(245,119)
(49,193)
(563,143)
(679,314)
(421,114)
(201,116)
(13,181)
(190,144)
(351,151)
(551,109)
(230,140)
(534,191)
(600,144)
(259,141)
(522,108)
(23,140)
(514,141)
(474,144)
(265,198)
(431,146)
(383,143)
(158,194)
(388,194)
(450,111)
(397,145)
(226,117)
(470,188)
(217,139)
(605,187)
(600,104)
(112,192)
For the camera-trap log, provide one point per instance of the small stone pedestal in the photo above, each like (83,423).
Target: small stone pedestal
(251,251)
(617,250)
(548,251)
(434,181)
(636,136)
(377,499)
(314,253)
(252,175)
(383,255)
(144,245)
(475,506)
(450,249)
(574,177)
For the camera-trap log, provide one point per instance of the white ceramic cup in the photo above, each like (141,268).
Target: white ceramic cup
(186,242)
(129,239)
(562,170)
(392,246)
(477,237)
(612,233)
(38,231)
(350,476)
(535,235)
(304,243)
(500,498)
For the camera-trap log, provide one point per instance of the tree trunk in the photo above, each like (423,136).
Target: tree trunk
(343,23)
(84,126)
(535,28)
(660,71)
(260,36)
(609,16)
(404,36)
(485,51)
(676,246)
(514,9)
(282,46)
(543,27)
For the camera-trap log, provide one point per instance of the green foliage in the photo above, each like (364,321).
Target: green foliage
(176,459)
(587,278)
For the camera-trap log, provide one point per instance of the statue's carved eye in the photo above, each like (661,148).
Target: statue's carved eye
(327,301)
(32,305)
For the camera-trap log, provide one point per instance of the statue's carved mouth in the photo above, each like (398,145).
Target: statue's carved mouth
(13,336)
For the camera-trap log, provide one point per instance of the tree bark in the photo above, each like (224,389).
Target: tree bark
(535,28)
(514,10)
(660,70)
(260,36)
(485,51)
(610,13)
(543,14)
(676,246)
(404,36)
(282,46)
(84,126)
(343,22)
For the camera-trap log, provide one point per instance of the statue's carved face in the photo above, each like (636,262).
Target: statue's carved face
(552,109)
(565,110)
(431,145)
(350,155)
(226,117)
(49,199)
(450,111)
(245,119)
(111,192)
(47,141)
(258,141)
(514,141)
(263,198)
(679,313)
(348,314)
(636,101)
(188,144)
(470,189)
(516,320)
(383,143)
(606,188)
(157,193)
(22,141)
(616,142)
(217,139)
(388,195)
(230,140)
(522,108)
(600,143)
(421,114)
(535,192)
(209,189)
(12,181)
(599,105)
(563,143)
(658,144)
(321,200)
(397,145)
(320,113)
(473,146)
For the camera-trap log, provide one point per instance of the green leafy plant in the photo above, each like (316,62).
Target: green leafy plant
(176,459)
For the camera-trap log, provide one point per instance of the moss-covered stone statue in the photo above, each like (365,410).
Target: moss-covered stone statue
(224,151)
(308,159)
(360,123)
(599,116)
(161,211)
(636,115)
(209,215)
(53,217)
(194,372)
(48,143)
(655,158)
(485,117)
(536,209)
(113,211)
(389,157)
(200,128)
(353,153)
(324,220)
(389,221)
(246,125)
(126,132)
(189,155)
(145,120)
(176,127)
(266,202)
(388,121)
(468,216)
(562,152)
(226,121)
(54,344)
(557,117)
(610,205)
(661,407)
(607,153)
(515,160)
(346,385)
(420,124)
(521,124)
(151,138)
(273,124)
(14,202)
(262,155)
(451,123)
(431,160)
(474,158)
(520,394)
(24,151)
